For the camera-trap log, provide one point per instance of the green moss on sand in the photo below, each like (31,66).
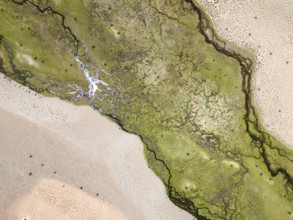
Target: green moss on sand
(171,81)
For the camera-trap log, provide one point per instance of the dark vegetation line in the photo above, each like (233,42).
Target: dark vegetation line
(74,39)
(21,76)
(16,74)
(175,197)
(261,138)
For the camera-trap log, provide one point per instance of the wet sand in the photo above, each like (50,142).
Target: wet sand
(61,161)
(265,27)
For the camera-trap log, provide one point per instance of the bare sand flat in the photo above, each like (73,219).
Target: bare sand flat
(265,27)
(61,161)
(50,199)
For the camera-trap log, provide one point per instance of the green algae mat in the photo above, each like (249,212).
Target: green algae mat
(157,68)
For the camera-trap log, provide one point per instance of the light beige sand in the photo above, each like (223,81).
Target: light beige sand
(50,200)
(85,150)
(266,27)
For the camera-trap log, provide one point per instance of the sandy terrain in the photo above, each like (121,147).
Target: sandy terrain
(65,162)
(50,199)
(59,161)
(266,27)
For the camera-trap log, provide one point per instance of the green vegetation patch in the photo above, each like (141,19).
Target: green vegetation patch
(39,48)
(162,73)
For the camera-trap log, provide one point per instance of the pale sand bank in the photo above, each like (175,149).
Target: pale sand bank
(50,200)
(266,27)
(62,144)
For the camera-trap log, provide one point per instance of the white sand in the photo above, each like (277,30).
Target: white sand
(86,150)
(266,27)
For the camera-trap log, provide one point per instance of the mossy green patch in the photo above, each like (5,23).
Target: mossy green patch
(168,78)
(39,48)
